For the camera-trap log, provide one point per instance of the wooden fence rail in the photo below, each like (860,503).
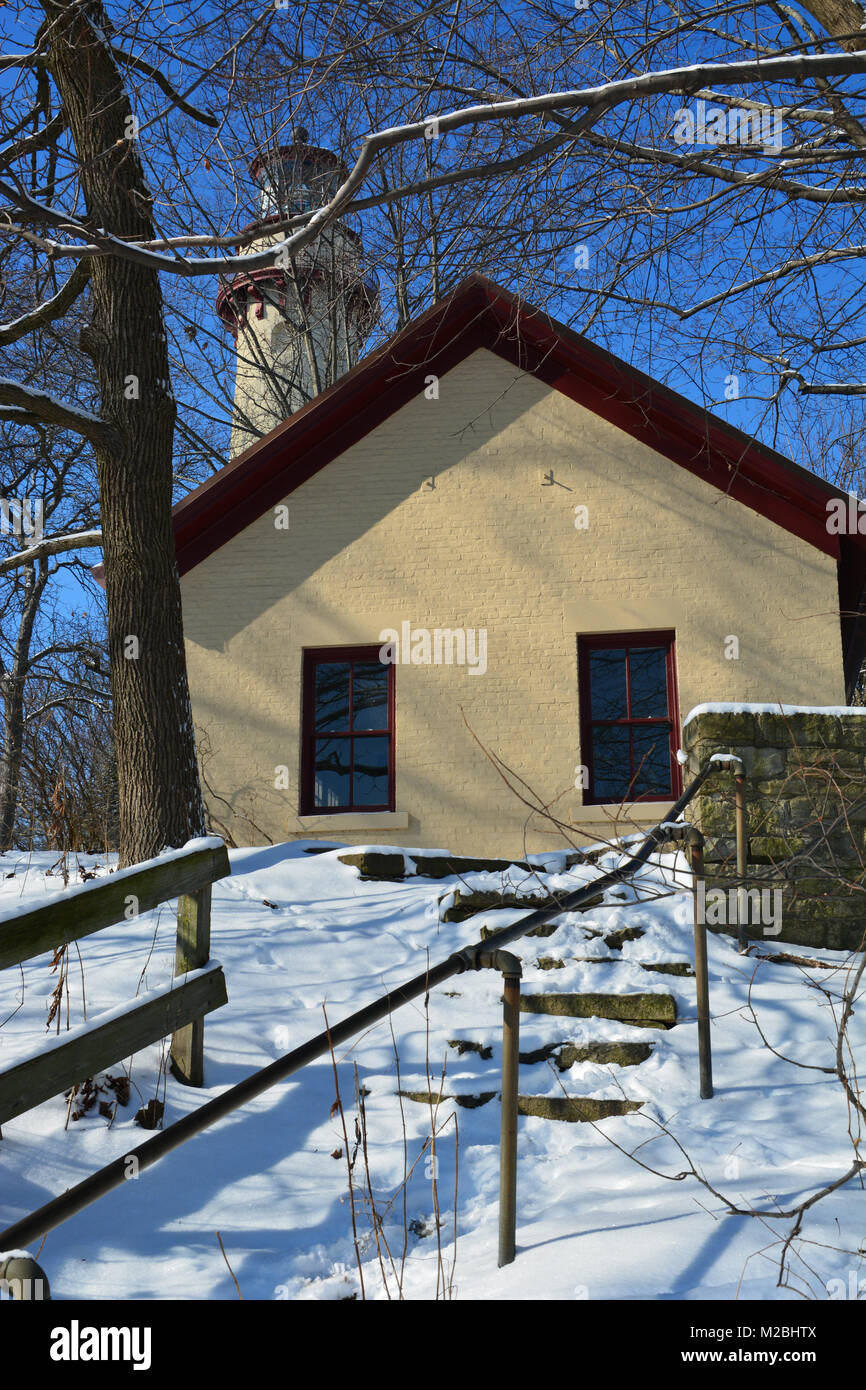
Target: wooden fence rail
(75,912)
(178,1010)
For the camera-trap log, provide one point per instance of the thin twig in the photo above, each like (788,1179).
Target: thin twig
(228,1266)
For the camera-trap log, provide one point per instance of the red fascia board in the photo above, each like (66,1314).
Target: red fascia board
(708,447)
(482,314)
(273,467)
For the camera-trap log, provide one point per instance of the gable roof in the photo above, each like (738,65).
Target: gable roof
(480,313)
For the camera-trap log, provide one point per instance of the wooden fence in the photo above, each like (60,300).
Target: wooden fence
(178,1010)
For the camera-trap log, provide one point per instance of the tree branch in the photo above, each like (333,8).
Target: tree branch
(51,545)
(165,87)
(593,101)
(30,405)
(49,310)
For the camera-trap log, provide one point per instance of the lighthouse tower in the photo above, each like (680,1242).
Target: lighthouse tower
(301,327)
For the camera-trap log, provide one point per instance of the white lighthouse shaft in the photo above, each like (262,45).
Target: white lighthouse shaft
(298,329)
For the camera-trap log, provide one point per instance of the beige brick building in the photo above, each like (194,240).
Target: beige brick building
(596,554)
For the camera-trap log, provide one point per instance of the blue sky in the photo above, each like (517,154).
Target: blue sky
(652,342)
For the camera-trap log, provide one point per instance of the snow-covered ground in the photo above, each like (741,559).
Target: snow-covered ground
(295,931)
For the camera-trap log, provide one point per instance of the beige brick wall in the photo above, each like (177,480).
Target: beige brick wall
(492,546)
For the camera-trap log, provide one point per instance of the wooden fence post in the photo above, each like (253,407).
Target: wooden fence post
(193,951)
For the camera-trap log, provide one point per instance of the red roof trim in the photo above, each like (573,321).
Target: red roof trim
(323,429)
(479,313)
(675,427)
(482,314)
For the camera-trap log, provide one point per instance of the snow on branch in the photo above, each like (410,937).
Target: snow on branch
(828,388)
(771,177)
(792,267)
(42,406)
(19,60)
(51,545)
(37,140)
(591,102)
(49,310)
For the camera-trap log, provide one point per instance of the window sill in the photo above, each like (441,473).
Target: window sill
(357,820)
(646,812)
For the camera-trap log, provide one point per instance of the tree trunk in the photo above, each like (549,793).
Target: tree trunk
(840,17)
(14,681)
(159,794)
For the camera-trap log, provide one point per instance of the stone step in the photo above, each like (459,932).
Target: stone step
(641,1010)
(546,929)
(386,867)
(567,1054)
(664,967)
(467,1101)
(467,905)
(463,1045)
(574,1109)
(605,1054)
(669,967)
(615,940)
(377,865)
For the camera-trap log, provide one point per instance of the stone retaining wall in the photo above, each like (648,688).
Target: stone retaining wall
(805,813)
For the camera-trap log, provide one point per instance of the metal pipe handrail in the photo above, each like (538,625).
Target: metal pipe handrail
(75,1199)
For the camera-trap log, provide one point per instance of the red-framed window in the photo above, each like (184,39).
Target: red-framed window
(347,731)
(629,717)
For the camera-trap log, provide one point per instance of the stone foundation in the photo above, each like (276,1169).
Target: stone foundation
(805,814)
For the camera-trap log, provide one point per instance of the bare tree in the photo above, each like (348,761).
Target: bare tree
(46,654)
(582,132)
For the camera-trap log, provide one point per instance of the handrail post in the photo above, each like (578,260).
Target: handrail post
(695,841)
(480,957)
(192,952)
(21,1278)
(742,893)
(508,1126)
(738,767)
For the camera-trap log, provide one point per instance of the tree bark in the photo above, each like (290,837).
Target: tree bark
(159,794)
(13,684)
(840,17)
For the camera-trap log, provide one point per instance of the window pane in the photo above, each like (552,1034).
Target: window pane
(649,682)
(332,695)
(611,763)
(331,772)
(652,754)
(370,695)
(371,772)
(607,683)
